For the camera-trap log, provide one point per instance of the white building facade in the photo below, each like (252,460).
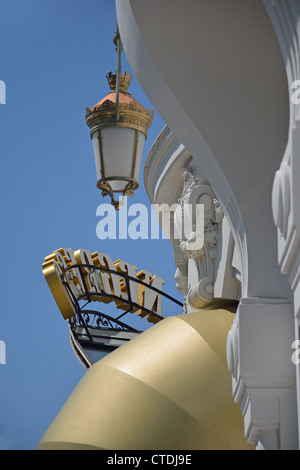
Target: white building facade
(224,77)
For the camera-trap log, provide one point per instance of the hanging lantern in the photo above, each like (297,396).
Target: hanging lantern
(119,126)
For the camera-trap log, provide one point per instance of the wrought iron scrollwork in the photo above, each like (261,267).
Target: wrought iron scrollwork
(88,325)
(93,319)
(83,293)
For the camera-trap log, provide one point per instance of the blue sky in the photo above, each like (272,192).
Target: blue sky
(54,58)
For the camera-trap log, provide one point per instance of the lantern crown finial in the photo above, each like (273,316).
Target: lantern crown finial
(124,81)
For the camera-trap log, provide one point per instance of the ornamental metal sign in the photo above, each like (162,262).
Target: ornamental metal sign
(75,276)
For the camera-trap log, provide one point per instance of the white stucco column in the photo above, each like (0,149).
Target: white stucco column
(263,374)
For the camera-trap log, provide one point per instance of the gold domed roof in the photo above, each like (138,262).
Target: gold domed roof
(125,99)
(132,113)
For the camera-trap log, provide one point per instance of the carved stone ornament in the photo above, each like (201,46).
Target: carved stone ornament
(199,214)
(281,198)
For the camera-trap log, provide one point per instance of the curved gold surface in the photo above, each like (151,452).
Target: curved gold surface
(55,285)
(168,388)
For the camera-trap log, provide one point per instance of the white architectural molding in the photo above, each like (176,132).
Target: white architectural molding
(230,123)
(263,374)
(205,273)
(224,86)
(285,17)
(200,256)
(286,213)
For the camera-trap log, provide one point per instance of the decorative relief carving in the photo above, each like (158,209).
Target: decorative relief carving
(189,245)
(286,214)
(281,198)
(109,105)
(199,248)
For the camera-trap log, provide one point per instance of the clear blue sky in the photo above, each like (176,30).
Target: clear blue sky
(54,58)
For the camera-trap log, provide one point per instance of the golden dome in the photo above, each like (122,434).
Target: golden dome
(132,113)
(168,388)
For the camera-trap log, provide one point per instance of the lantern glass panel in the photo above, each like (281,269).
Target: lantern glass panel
(122,154)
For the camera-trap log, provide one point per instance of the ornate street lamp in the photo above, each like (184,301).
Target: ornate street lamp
(119,126)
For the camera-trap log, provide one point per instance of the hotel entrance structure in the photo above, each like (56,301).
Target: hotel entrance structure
(224,374)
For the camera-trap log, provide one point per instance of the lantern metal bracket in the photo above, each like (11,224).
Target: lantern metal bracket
(118,43)
(106,189)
